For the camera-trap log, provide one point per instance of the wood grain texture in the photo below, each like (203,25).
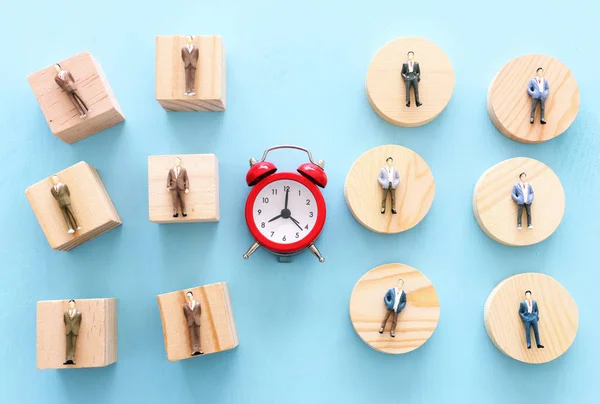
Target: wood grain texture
(496,212)
(509,105)
(414,195)
(210,74)
(559,317)
(385,86)
(202,202)
(94,89)
(97,340)
(416,323)
(89,200)
(217,329)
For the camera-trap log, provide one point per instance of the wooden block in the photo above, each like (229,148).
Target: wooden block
(202,202)
(92,85)
(210,74)
(90,203)
(416,322)
(217,329)
(558,323)
(496,212)
(509,105)
(414,195)
(97,341)
(385,87)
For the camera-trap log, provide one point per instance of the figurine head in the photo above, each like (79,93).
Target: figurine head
(55,180)
(528,295)
(177,161)
(400,283)
(57,67)
(189,296)
(522,177)
(411,55)
(72,304)
(539,72)
(389,161)
(190,39)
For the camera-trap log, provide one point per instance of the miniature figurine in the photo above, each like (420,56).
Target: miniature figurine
(395,300)
(522,194)
(189,54)
(538,89)
(65,80)
(178,183)
(61,193)
(192,311)
(528,310)
(72,319)
(411,72)
(389,179)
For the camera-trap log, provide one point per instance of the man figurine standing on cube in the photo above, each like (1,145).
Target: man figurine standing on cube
(189,54)
(538,89)
(61,193)
(522,194)
(411,73)
(530,314)
(72,318)
(179,185)
(389,179)
(192,312)
(65,80)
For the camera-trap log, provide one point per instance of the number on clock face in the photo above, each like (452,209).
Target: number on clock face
(281,225)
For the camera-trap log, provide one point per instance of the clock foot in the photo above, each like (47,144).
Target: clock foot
(251,250)
(313,249)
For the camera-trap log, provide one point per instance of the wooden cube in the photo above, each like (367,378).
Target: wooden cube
(90,203)
(217,326)
(93,88)
(210,74)
(202,202)
(96,344)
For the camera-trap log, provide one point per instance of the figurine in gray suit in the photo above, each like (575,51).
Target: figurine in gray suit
(389,179)
(528,310)
(522,194)
(538,90)
(411,73)
(395,300)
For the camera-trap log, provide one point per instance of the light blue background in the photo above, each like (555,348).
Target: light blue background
(295,74)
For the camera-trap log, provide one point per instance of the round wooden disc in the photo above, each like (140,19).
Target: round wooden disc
(509,105)
(496,212)
(385,87)
(558,322)
(416,322)
(414,195)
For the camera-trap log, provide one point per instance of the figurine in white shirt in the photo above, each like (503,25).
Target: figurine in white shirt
(389,179)
(538,89)
(395,301)
(411,73)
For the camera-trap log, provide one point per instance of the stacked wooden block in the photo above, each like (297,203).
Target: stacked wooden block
(90,202)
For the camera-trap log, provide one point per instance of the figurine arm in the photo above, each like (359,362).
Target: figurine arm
(382,180)
(514,195)
(70,76)
(388,297)
(522,312)
(404,68)
(186,181)
(546,89)
(402,302)
(530,89)
(169,179)
(67,190)
(396,180)
(532,193)
(418,72)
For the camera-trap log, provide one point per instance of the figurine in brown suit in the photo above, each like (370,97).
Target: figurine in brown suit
(192,311)
(189,54)
(61,193)
(72,318)
(179,185)
(65,80)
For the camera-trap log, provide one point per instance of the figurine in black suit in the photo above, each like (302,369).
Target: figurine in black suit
(411,73)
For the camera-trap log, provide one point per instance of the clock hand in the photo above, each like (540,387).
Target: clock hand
(276,217)
(296,222)
(287,194)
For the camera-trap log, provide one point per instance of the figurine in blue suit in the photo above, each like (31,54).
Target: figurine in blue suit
(538,90)
(522,194)
(528,310)
(395,300)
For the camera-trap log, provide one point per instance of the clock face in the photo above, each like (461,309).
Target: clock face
(285,212)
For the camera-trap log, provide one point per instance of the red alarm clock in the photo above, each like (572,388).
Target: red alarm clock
(285,211)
